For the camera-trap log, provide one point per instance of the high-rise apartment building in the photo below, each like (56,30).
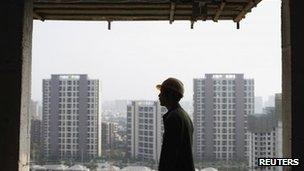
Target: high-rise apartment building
(270,101)
(222,103)
(36,131)
(279,132)
(264,135)
(71,128)
(258,104)
(144,129)
(35,110)
(109,136)
(36,139)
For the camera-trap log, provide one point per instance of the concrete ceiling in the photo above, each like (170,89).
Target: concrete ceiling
(141,10)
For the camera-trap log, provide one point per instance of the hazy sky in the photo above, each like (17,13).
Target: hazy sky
(133,57)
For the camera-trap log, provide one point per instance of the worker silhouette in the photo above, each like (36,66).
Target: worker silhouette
(176,152)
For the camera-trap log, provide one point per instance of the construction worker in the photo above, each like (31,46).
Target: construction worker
(176,152)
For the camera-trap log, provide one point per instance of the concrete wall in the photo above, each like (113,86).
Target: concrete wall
(297,81)
(15,76)
(293,81)
(286,77)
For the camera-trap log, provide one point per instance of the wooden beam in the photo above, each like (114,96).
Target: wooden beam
(109,11)
(37,16)
(177,11)
(192,24)
(125,17)
(109,25)
(225,10)
(249,5)
(231,5)
(204,11)
(172,10)
(101,5)
(219,11)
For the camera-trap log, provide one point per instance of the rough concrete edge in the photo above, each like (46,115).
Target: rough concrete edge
(24,136)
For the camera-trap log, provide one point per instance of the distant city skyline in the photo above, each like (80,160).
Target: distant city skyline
(133,57)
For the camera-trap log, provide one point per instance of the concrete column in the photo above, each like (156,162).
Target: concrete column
(15,76)
(286,80)
(297,81)
(293,81)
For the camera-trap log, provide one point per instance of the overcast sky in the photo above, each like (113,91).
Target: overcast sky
(133,57)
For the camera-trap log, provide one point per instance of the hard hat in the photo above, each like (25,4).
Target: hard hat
(172,84)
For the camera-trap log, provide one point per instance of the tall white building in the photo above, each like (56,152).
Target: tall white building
(266,135)
(71,128)
(270,101)
(279,114)
(35,110)
(144,129)
(263,137)
(222,103)
(258,104)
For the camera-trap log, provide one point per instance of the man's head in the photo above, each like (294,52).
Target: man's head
(171,91)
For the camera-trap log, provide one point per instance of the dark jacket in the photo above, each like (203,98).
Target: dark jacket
(176,152)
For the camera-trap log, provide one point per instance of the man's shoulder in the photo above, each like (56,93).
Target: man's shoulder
(173,115)
(178,113)
(183,115)
(180,118)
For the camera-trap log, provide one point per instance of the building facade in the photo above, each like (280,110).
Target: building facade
(258,104)
(144,129)
(71,128)
(36,131)
(109,135)
(36,139)
(35,110)
(222,103)
(266,135)
(279,132)
(263,138)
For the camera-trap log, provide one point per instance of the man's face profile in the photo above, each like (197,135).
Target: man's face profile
(162,97)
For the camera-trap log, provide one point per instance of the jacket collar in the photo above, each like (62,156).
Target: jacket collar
(166,115)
